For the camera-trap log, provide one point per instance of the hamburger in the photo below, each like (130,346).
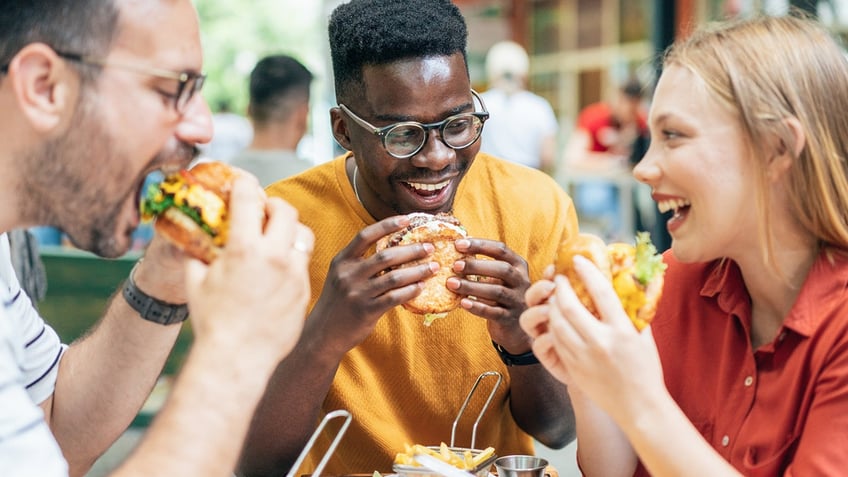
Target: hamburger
(441,230)
(190,208)
(636,272)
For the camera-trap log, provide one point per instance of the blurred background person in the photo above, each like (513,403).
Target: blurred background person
(231,134)
(522,126)
(279,113)
(608,137)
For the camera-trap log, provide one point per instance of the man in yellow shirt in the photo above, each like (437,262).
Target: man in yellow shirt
(401,67)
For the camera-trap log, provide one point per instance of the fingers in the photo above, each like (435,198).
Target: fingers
(602,292)
(570,308)
(283,225)
(534,321)
(492,259)
(368,236)
(539,292)
(247,212)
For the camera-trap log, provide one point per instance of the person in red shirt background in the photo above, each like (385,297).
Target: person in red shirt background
(608,130)
(610,137)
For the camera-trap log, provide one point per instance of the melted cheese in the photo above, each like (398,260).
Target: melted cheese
(213,210)
(630,292)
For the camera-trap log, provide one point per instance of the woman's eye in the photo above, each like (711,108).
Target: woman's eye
(670,134)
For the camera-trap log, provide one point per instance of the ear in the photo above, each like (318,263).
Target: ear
(783,157)
(339,126)
(43,85)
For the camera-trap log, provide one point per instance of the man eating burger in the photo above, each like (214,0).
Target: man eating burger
(411,124)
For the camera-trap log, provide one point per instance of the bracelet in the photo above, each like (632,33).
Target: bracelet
(152,309)
(522,359)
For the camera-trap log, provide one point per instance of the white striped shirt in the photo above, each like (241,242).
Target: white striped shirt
(29,359)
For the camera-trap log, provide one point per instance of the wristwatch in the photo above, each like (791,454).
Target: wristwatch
(522,359)
(152,309)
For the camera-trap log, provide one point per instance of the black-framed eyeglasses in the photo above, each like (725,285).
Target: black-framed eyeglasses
(405,139)
(188,83)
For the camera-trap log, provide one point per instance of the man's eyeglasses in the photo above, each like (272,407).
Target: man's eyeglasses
(188,83)
(405,139)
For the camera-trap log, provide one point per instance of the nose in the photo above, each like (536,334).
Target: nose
(648,170)
(435,154)
(195,126)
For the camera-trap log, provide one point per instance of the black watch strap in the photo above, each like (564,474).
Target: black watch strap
(150,308)
(522,359)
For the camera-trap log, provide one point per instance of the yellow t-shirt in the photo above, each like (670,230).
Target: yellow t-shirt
(405,383)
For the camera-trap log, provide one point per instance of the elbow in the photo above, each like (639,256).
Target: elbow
(557,440)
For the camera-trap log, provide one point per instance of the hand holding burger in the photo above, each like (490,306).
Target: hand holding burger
(441,230)
(636,272)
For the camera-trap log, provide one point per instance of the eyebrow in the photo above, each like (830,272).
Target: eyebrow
(396,117)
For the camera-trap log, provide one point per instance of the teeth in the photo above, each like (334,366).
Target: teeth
(428,187)
(666,205)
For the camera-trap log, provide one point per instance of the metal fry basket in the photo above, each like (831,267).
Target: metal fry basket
(332,448)
(482,468)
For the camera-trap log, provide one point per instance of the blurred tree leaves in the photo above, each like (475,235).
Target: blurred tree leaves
(237,33)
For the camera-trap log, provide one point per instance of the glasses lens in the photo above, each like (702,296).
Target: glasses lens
(404,139)
(188,88)
(462,130)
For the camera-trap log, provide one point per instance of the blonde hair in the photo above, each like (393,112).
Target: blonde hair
(765,70)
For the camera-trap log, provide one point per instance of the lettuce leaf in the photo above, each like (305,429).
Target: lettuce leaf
(648,262)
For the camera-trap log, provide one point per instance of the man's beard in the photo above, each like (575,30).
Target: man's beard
(81,182)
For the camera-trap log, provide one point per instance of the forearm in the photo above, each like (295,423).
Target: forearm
(291,407)
(205,420)
(103,381)
(540,405)
(667,442)
(603,449)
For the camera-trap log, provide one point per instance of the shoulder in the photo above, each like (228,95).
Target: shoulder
(314,180)
(505,176)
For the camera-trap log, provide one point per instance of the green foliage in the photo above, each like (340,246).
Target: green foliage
(237,33)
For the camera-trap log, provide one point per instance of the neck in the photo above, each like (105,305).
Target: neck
(283,136)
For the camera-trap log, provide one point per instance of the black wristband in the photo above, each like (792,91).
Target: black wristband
(522,359)
(150,308)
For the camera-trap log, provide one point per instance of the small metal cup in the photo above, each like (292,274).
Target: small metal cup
(521,466)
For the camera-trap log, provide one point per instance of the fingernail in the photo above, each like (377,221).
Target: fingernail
(429,248)
(459,265)
(463,244)
(452,283)
(434,267)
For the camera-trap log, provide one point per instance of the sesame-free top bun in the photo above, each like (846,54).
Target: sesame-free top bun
(441,230)
(216,176)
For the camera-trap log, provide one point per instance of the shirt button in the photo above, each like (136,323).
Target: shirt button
(749,381)
(725,440)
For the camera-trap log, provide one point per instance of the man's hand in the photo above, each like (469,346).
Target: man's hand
(494,284)
(361,286)
(252,299)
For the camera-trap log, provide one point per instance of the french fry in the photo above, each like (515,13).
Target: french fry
(485,454)
(465,460)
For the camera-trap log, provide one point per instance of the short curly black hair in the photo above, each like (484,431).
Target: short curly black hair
(375,32)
